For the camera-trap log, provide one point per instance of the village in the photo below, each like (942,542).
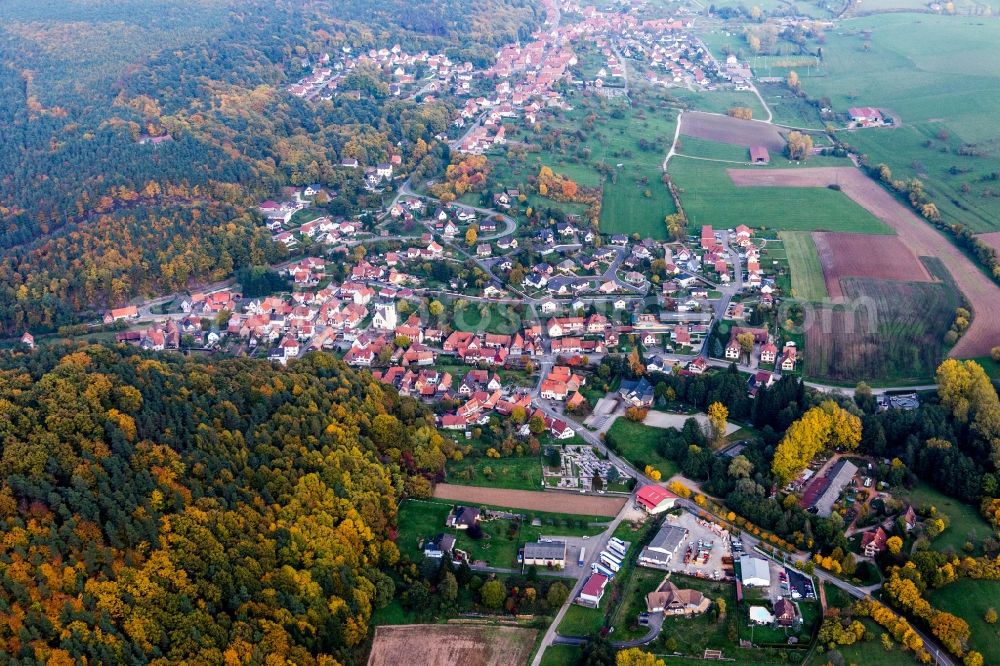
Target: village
(550,352)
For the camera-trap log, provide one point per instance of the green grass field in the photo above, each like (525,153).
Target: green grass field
(695,635)
(922,67)
(716,150)
(938,75)
(640,583)
(710,197)
(803,260)
(419,519)
(518,473)
(626,208)
(963,186)
(637,443)
(560,655)
(965,522)
(630,141)
(970,599)
(788,108)
(581,621)
(719,101)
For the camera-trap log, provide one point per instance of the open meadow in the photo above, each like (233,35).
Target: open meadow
(710,196)
(969,600)
(937,76)
(962,181)
(638,443)
(501,538)
(803,260)
(964,521)
(604,143)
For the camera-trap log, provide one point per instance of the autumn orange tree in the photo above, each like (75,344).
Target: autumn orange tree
(826,426)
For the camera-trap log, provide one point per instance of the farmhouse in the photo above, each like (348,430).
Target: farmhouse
(593,590)
(759,155)
(545,554)
(865,115)
(128,312)
(663,547)
(655,499)
(754,572)
(671,600)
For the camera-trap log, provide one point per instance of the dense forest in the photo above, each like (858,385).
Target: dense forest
(157,509)
(212,76)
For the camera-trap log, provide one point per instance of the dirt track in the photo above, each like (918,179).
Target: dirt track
(732,130)
(451,645)
(864,255)
(532,500)
(981,293)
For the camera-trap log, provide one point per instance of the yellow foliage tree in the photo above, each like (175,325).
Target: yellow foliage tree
(636,657)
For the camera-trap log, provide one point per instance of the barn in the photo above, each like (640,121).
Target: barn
(759,155)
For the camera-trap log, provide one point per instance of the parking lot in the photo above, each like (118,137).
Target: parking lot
(573,546)
(703,539)
(799,584)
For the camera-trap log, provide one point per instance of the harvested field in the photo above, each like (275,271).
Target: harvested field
(887,330)
(992,239)
(732,130)
(451,645)
(863,255)
(923,240)
(532,500)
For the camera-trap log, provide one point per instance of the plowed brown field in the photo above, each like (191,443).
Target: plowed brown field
(732,130)
(866,255)
(923,240)
(451,645)
(532,500)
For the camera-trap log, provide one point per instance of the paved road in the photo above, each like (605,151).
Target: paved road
(728,291)
(655,624)
(598,544)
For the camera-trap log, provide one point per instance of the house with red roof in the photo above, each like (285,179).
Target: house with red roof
(873,542)
(593,590)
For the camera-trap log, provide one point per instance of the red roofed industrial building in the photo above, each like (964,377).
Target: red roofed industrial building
(655,499)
